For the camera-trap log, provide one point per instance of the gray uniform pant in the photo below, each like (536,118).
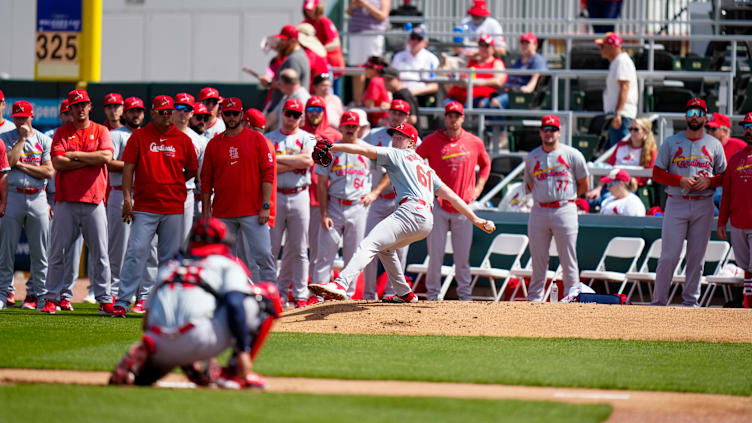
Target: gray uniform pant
(411,222)
(741,241)
(684,219)
(119,232)
(379,210)
(462,239)
(561,223)
(145,225)
(72,219)
(188,210)
(293,216)
(350,227)
(256,250)
(30,212)
(314,227)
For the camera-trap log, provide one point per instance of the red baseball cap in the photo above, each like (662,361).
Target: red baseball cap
(400,106)
(22,108)
(349,118)
(616,175)
(208,92)
(486,39)
(454,106)
(717,120)
(529,37)
(200,109)
(747,119)
(550,120)
(113,98)
(78,96)
(254,117)
(315,101)
(697,103)
(288,32)
(480,8)
(2,96)
(185,98)
(310,4)
(232,104)
(293,104)
(133,103)
(405,129)
(610,38)
(163,102)
(64,106)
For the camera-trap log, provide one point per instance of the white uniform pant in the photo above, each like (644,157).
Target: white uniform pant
(314,227)
(293,216)
(349,226)
(379,210)
(741,241)
(188,210)
(561,224)
(462,239)
(411,222)
(253,247)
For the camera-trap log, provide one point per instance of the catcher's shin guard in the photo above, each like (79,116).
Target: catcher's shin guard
(128,370)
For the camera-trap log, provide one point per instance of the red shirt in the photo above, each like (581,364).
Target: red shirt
(454,160)
(377,92)
(89,183)
(732,146)
(4,165)
(161,159)
(234,168)
(460,93)
(737,191)
(326,32)
(318,65)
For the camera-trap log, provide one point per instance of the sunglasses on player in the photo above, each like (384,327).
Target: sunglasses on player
(747,126)
(165,112)
(201,118)
(211,102)
(314,109)
(183,108)
(231,113)
(292,114)
(550,129)
(695,113)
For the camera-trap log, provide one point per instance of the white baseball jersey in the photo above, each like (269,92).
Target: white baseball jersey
(36,150)
(292,144)
(217,128)
(554,175)
(349,175)
(7,126)
(410,175)
(631,205)
(680,156)
(379,138)
(120,138)
(199,144)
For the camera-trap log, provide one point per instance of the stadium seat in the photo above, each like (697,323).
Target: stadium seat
(663,61)
(620,248)
(527,272)
(669,99)
(646,273)
(587,57)
(524,139)
(504,245)
(714,281)
(447,272)
(715,253)
(586,143)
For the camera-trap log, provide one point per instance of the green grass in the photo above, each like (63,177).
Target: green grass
(90,404)
(83,341)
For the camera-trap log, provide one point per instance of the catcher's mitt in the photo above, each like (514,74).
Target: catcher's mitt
(321,154)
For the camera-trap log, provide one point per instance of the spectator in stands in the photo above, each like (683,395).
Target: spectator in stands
(639,150)
(394,85)
(620,95)
(326,32)
(484,84)
(413,62)
(622,200)
(719,126)
(376,94)
(314,50)
(294,58)
(365,15)
(479,22)
(530,60)
(602,9)
(322,87)
(289,84)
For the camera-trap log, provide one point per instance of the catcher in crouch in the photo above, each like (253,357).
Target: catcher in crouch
(202,305)
(415,183)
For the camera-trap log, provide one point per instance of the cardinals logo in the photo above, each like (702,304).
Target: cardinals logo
(453,107)
(20,108)
(230,103)
(706,153)
(549,121)
(561,160)
(678,155)
(111,98)
(77,95)
(164,102)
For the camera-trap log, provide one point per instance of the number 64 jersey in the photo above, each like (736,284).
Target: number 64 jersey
(410,175)
(554,175)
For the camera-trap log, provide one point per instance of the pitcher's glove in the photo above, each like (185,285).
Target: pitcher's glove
(321,154)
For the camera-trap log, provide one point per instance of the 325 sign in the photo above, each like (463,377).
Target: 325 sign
(60,47)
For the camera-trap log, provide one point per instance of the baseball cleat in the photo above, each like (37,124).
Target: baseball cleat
(49,307)
(10,301)
(401,299)
(66,305)
(301,303)
(139,307)
(90,298)
(29,303)
(330,289)
(105,309)
(118,311)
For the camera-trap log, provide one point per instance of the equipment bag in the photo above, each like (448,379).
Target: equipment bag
(602,298)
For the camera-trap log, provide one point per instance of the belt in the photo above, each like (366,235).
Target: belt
(291,190)
(181,330)
(388,196)
(690,197)
(347,202)
(555,204)
(118,187)
(28,191)
(423,202)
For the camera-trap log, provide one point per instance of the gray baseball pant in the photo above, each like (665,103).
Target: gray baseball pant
(72,219)
(350,227)
(145,225)
(684,219)
(188,209)
(741,241)
(379,210)
(561,224)
(314,227)
(256,251)
(293,216)
(462,239)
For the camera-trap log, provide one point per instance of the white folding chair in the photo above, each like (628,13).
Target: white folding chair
(725,282)
(447,272)
(527,272)
(715,253)
(505,245)
(646,274)
(618,247)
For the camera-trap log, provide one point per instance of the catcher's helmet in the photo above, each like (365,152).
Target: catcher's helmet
(207,232)
(267,293)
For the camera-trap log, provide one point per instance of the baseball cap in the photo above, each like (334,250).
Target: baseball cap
(363,117)
(205,233)
(310,4)
(254,117)
(64,106)
(390,72)
(582,204)
(316,101)
(185,98)
(486,39)
(200,109)
(113,98)
(373,62)
(78,96)
(747,119)
(22,108)
(208,92)
(610,38)
(550,120)
(480,8)
(293,104)
(418,32)
(529,37)
(697,103)
(349,118)
(405,129)
(400,105)
(133,103)
(454,106)
(717,120)
(163,102)
(2,96)
(616,175)
(232,104)
(287,32)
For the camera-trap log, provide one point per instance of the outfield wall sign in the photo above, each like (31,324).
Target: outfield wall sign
(57,39)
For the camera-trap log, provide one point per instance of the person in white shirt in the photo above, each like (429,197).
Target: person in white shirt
(479,21)
(620,95)
(622,200)
(413,58)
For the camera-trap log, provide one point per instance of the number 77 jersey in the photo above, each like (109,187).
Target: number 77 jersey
(409,173)
(554,175)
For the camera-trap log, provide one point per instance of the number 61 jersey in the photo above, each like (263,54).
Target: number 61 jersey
(554,175)
(409,173)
